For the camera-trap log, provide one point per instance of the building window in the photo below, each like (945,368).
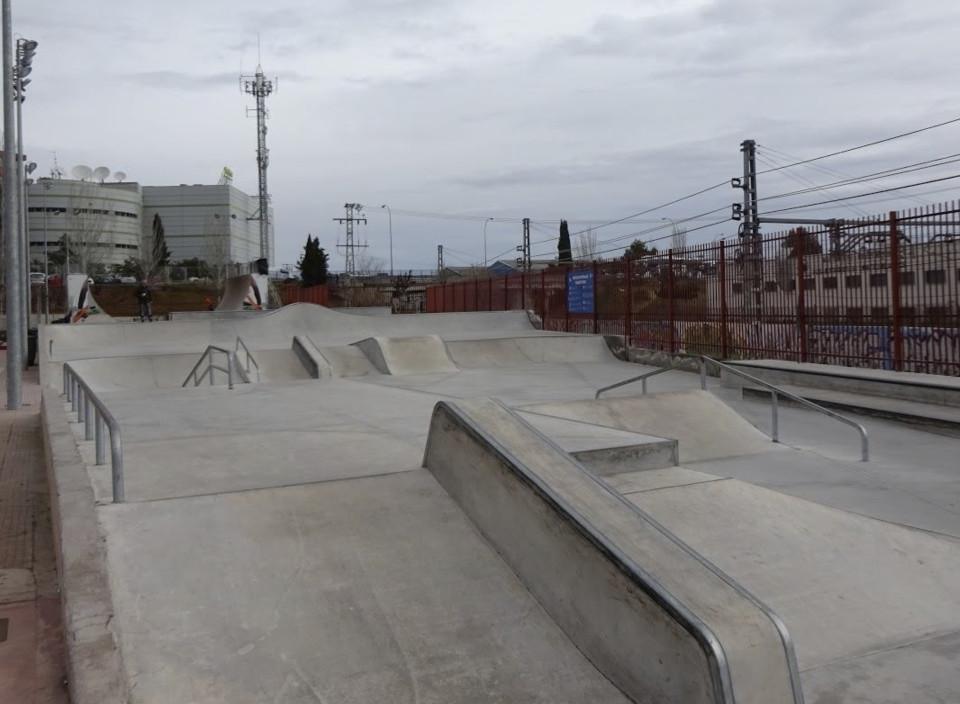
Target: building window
(907,278)
(770,286)
(854,281)
(738,288)
(829,282)
(809,284)
(935,277)
(878,280)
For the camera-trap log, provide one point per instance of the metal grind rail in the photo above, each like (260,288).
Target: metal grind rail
(775,393)
(211,367)
(241,345)
(95,416)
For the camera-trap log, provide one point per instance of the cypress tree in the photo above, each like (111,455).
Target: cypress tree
(563,247)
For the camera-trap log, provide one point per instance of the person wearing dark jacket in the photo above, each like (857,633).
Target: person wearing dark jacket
(143,302)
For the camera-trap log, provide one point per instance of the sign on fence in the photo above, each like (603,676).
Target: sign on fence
(580,291)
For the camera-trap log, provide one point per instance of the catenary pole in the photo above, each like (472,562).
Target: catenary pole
(15,333)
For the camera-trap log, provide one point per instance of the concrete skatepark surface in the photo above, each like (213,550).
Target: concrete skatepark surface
(281,542)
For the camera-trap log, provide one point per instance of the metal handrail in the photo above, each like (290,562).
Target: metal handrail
(228,370)
(94,415)
(642,378)
(250,358)
(774,392)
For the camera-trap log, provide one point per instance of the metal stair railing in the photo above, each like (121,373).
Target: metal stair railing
(95,416)
(211,367)
(775,393)
(249,358)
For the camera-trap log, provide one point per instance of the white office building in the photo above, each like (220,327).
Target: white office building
(213,223)
(106,223)
(101,221)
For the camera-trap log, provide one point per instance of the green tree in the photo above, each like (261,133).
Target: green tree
(639,248)
(800,239)
(313,263)
(565,253)
(161,253)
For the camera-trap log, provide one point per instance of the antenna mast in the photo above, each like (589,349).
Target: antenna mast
(260,88)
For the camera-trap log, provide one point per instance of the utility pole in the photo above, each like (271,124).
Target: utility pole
(349,245)
(752,244)
(439,261)
(524,259)
(260,88)
(15,331)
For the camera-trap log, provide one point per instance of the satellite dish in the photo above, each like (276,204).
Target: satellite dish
(100,173)
(120,176)
(81,172)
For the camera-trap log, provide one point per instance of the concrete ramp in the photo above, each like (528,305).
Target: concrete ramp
(704,426)
(347,361)
(651,614)
(424,354)
(248,291)
(874,607)
(516,351)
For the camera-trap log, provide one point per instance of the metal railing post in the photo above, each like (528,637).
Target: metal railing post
(81,403)
(643,387)
(98,440)
(116,466)
(703,373)
(774,417)
(87,418)
(73,396)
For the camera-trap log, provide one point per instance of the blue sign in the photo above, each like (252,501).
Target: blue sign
(580,291)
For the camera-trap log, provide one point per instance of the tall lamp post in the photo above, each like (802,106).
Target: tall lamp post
(485,242)
(11,244)
(390,225)
(26,50)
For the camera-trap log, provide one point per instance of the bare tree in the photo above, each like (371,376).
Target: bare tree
(678,238)
(87,220)
(217,251)
(587,245)
(367,265)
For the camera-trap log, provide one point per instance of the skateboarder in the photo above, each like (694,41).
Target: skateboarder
(143,302)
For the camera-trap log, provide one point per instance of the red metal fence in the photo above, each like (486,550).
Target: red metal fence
(295,293)
(880,292)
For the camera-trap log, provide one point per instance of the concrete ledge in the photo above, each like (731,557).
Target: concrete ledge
(616,460)
(908,386)
(652,615)
(311,359)
(94,663)
(422,354)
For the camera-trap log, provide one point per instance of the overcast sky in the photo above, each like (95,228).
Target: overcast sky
(505,109)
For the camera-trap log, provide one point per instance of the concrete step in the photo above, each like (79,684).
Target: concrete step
(916,412)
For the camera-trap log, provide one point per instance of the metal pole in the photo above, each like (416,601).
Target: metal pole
(774,417)
(22,211)
(485,260)
(390,217)
(15,332)
(703,373)
(88,414)
(46,260)
(98,437)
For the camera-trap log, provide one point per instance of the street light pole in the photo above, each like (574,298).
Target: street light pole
(485,241)
(15,332)
(390,220)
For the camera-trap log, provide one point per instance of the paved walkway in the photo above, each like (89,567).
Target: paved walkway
(32,666)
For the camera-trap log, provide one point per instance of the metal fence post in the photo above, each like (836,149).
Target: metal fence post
(724,339)
(670,311)
(774,417)
(98,437)
(801,293)
(88,418)
(628,308)
(895,302)
(596,307)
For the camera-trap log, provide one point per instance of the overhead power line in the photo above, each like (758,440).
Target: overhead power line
(862,146)
(863,195)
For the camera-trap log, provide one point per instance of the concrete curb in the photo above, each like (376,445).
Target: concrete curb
(94,664)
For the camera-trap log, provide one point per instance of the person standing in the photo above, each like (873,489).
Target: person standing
(144,298)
